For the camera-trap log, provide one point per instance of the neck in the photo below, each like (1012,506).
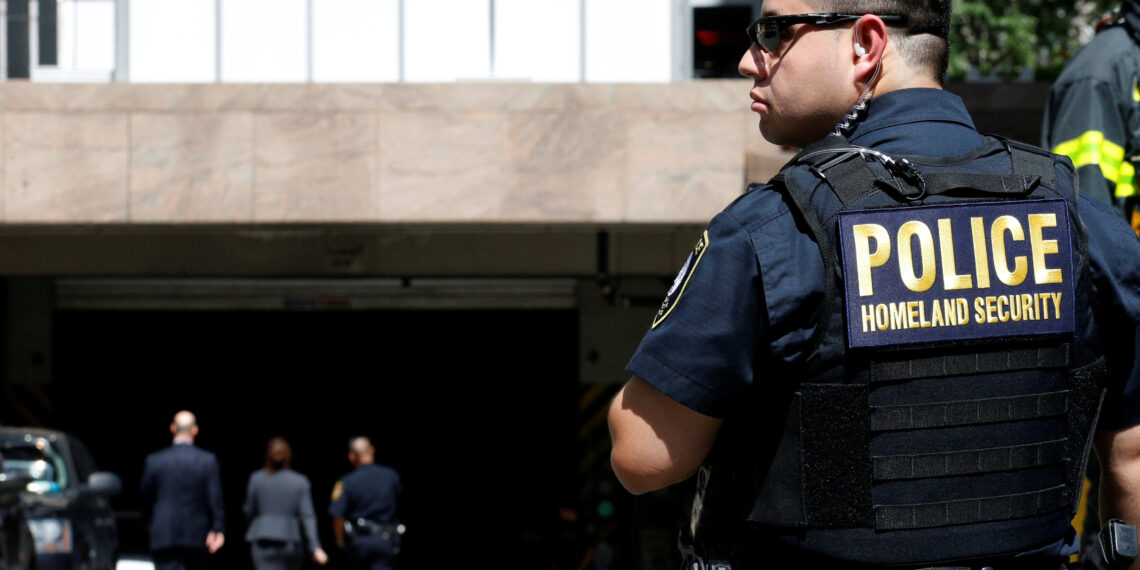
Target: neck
(183,438)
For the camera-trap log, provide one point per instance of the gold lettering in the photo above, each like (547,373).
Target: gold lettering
(981,254)
(979,310)
(898,316)
(1001,262)
(963,311)
(906,259)
(1003,315)
(1015,308)
(991,306)
(950,278)
(868,313)
(936,318)
(882,317)
(922,322)
(912,314)
(1043,311)
(1042,247)
(1027,307)
(1056,304)
(864,259)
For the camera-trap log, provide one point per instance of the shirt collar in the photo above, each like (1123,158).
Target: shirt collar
(909,106)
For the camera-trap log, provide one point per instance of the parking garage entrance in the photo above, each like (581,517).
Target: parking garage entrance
(476,408)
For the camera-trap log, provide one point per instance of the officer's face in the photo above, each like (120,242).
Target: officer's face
(802,90)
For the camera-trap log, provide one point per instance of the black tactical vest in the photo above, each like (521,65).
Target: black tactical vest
(946,404)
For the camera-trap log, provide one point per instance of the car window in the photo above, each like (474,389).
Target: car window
(84,464)
(36,457)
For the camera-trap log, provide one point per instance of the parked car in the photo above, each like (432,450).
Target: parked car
(66,502)
(17,548)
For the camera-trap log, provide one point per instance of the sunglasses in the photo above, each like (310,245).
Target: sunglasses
(767,31)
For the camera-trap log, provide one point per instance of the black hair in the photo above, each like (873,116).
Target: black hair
(926,43)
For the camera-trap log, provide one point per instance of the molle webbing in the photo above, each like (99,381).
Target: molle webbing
(1006,507)
(968,412)
(964,364)
(970,462)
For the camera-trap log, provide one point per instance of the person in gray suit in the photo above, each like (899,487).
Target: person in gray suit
(279,506)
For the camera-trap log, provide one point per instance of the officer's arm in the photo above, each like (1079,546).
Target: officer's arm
(656,441)
(1119,454)
(338,531)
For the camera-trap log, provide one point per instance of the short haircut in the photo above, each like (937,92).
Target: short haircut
(925,44)
(359,444)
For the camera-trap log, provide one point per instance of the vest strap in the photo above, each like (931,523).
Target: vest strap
(969,462)
(969,412)
(1005,185)
(1004,507)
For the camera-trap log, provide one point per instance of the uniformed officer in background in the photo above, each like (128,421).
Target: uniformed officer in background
(893,353)
(1093,113)
(363,510)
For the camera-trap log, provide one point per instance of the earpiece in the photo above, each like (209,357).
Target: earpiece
(860,50)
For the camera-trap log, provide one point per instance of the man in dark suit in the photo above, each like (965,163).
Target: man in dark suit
(182,490)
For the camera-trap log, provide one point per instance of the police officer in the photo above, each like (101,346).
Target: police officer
(363,510)
(893,353)
(1093,113)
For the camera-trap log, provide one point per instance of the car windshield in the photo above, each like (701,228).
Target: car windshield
(35,457)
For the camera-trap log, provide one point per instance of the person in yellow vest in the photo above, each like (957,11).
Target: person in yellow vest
(1093,113)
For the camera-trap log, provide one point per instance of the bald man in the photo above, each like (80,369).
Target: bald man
(182,493)
(363,509)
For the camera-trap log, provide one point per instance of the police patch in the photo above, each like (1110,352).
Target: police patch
(956,272)
(678,287)
(338,490)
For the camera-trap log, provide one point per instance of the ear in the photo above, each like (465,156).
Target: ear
(870,34)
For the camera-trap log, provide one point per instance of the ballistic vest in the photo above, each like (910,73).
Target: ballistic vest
(947,399)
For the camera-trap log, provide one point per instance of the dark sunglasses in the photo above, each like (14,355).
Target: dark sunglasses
(767,31)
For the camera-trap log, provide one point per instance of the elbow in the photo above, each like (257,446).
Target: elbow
(640,476)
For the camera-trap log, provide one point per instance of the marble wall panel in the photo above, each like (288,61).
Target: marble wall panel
(3,163)
(443,166)
(567,166)
(683,166)
(315,167)
(65,167)
(192,167)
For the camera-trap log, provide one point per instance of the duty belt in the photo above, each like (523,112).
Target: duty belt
(365,527)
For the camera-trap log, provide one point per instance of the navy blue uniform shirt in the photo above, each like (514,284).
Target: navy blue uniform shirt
(745,300)
(369,492)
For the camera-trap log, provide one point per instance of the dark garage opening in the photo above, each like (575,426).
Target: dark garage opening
(475,409)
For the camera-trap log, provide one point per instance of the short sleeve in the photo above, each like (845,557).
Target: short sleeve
(1115,252)
(699,350)
(338,503)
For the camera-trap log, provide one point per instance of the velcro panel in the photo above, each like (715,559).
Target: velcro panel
(968,462)
(968,511)
(836,455)
(1087,396)
(969,412)
(971,364)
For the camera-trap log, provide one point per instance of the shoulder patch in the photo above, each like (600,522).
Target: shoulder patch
(338,490)
(682,280)
(948,273)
